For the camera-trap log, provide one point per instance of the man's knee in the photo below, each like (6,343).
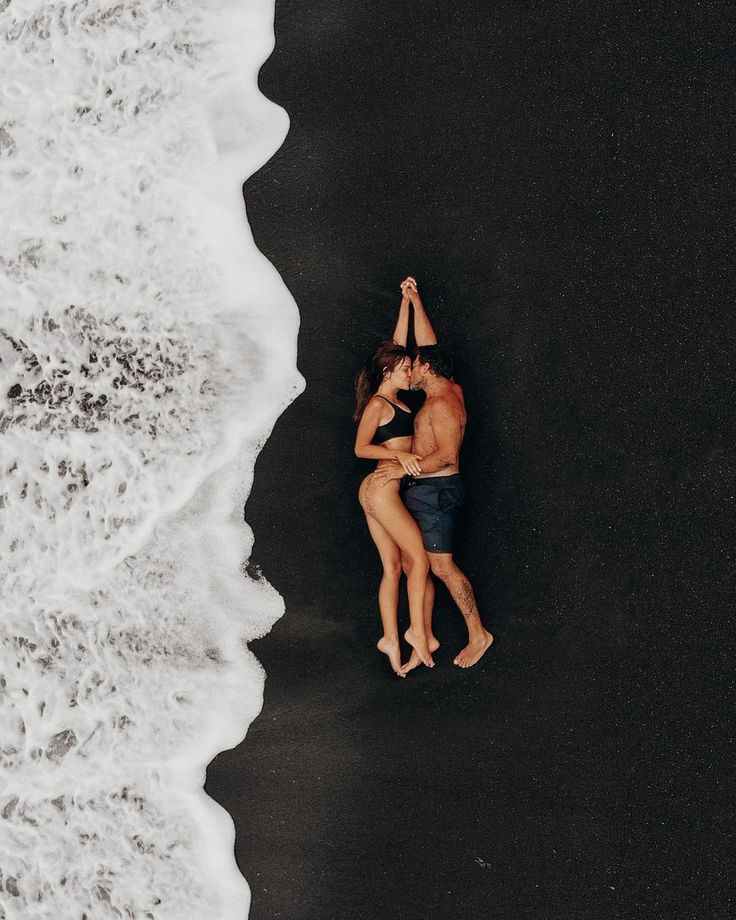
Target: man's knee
(441,564)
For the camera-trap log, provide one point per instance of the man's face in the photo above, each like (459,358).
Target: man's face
(418,374)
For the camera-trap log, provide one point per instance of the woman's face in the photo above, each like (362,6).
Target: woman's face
(401,374)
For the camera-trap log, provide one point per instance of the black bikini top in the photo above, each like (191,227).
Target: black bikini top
(400,426)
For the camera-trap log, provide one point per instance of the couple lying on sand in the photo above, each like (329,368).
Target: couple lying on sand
(415,534)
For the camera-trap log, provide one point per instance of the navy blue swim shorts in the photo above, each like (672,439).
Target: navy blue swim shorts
(434,503)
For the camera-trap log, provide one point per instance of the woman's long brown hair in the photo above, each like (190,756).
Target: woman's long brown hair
(387,357)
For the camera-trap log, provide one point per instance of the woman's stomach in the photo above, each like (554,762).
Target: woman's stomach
(402,444)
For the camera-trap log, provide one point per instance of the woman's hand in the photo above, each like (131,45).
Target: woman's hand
(409,462)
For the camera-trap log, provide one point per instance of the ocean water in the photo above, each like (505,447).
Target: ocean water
(146,350)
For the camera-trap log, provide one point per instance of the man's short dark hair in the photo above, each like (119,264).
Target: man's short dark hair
(438,358)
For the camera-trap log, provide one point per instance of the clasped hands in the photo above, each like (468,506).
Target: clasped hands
(409,288)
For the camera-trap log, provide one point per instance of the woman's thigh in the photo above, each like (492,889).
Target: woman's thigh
(383,503)
(388,550)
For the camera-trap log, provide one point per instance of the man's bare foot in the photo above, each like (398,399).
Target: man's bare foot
(420,646)
(390,648)
(414,661)
(474,650)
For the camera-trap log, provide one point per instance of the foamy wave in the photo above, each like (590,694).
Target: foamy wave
(146,349)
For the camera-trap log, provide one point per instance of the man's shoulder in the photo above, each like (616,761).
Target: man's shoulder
(444,404)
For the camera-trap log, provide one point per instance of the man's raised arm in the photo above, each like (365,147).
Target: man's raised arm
(423,331)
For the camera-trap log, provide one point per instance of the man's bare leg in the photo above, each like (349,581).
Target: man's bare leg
(461,591)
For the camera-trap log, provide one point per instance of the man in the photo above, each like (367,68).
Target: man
(434,496)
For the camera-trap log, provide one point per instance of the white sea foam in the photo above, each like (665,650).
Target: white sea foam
(146,349)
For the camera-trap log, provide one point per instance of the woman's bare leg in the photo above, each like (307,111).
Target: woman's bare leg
(388,593)
(382,502)
(416,583)
(432,641)
(429,595)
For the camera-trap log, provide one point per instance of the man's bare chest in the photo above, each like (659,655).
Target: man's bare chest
(424,440)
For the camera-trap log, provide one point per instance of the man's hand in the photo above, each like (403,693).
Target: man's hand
(388,471)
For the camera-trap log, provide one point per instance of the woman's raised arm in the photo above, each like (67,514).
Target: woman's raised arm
(401,332)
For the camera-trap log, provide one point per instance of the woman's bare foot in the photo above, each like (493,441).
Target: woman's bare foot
(420,647)
(390,648)
(474,650)
(414,661)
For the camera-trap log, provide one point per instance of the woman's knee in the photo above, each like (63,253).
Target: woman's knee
(392,568)
(415,562)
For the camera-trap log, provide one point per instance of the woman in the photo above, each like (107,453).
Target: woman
(385,432)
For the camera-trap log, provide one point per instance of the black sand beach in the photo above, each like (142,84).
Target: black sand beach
(555,177)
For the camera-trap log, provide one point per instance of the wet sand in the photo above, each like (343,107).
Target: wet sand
(554,177)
